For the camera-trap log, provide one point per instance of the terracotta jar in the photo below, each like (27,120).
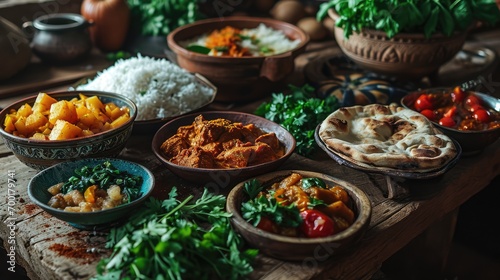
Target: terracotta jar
(406,55)
(60,38)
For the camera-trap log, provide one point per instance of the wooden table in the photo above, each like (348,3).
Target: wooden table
(423,213)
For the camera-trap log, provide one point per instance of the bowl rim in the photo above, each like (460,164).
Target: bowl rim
(173,44)
(362,219)
(482,96)
(44,206)
(155,147)
(63,95)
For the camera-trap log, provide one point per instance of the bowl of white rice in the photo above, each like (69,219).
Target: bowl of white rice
(160,89)
(270,48)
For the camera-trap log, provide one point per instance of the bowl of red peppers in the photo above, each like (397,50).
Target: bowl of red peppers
(471,118)
(295,214)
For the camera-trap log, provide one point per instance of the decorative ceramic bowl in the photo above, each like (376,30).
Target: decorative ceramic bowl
(38,185)
(222,178)
(406,55)
(295,248)
(237,78)
(472,142)
(40,154)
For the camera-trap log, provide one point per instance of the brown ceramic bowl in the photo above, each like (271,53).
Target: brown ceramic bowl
(222,178)
(472,142)
(40,154)
(243,78)
(406,55)
(295,248)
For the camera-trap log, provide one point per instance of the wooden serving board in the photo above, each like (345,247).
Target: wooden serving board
(39,76)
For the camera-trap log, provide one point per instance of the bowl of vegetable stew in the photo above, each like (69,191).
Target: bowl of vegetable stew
(84,193)
(471,118)
(294,215)
(238,78)
(50,128)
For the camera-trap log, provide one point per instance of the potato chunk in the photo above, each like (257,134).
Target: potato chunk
(64,130)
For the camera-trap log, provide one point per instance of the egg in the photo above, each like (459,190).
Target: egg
(315,29)
(290,11)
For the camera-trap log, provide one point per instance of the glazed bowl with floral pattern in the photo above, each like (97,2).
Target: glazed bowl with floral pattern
(40,153)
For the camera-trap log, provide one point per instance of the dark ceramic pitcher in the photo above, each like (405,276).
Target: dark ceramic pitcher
(60,38)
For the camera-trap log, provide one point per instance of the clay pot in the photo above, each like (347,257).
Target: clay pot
(60,38)
(406,55)
(237,79)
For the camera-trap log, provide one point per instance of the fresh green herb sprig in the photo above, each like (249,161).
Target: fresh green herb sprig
(104,175)
(160,17)
(299,113)
(259,206)
(415,16)
(174,239)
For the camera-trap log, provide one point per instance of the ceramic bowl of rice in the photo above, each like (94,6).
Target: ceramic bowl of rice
(246,58)
(161,89)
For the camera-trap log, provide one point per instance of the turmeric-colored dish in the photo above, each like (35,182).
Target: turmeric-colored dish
(51,119)
(221,144)
(298,206)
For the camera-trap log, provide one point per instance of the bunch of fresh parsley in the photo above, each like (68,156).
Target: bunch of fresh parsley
(299,112)
(414,16)
(173,239)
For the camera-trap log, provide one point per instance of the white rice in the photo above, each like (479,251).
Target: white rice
(158,87)
(268,38)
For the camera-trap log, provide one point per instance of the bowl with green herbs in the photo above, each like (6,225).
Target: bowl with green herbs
(91,193)
(295,215)
(403,38)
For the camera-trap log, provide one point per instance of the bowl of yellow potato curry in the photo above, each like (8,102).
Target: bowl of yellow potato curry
(50,128)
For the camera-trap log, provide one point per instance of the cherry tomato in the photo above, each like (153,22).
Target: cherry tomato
(482,115)
(316,224)
(428,114)
(472,100)
(476,107)
(447,121)
(458,95)
(267,225)
(423,102)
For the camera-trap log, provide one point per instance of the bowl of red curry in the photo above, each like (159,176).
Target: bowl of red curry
(471,118)
(218,149)
(296,215)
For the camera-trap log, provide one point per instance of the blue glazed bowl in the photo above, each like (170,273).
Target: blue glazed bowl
(38,185)
(40,154)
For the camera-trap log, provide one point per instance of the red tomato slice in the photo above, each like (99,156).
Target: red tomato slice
(267,225)
(451,112)
(447,121)
(423,102)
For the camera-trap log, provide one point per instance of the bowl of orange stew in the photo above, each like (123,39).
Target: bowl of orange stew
(471,118)
(295,214)
(218,149)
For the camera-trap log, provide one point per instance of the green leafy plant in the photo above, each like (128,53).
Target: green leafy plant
(299,112)
(160,17)
(177,239)
(410,16)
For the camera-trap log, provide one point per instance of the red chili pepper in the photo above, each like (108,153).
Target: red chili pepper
(316,224)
